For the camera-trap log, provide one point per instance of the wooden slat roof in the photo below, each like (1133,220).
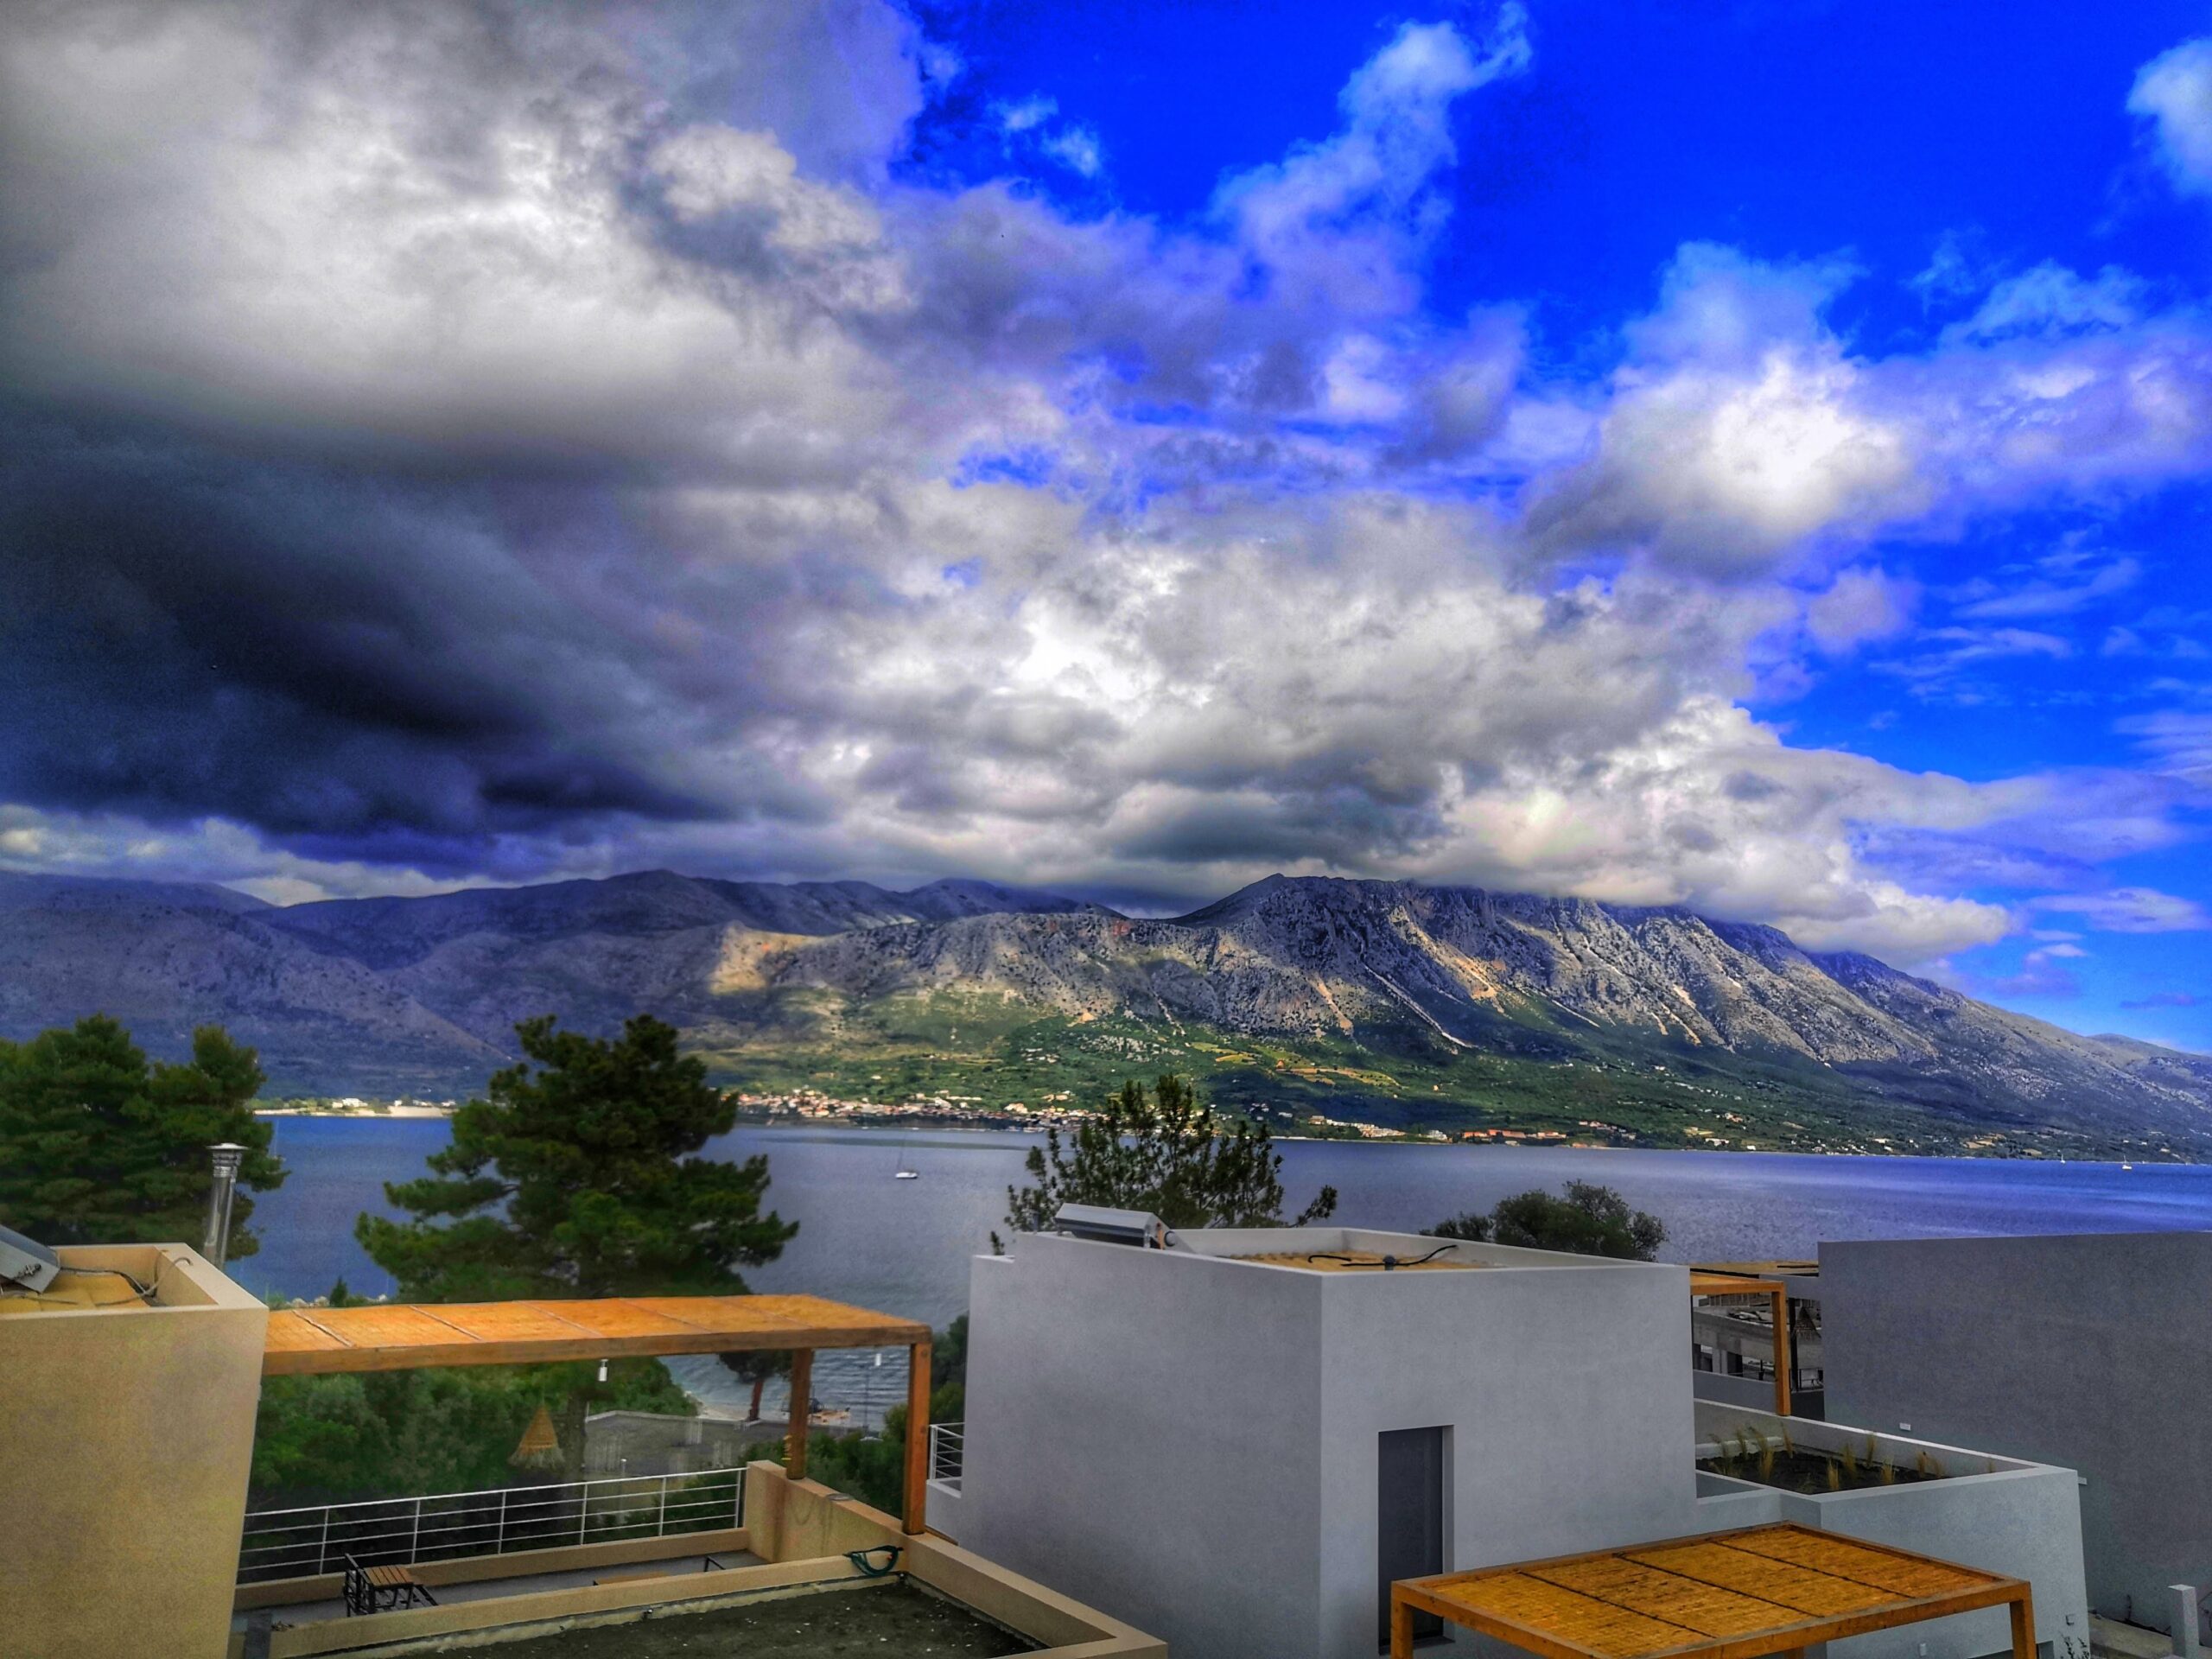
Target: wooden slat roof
(1715,1281)
(1729,1595)
(313,1341)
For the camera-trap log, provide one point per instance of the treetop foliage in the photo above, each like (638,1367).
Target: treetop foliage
(98,1147)
(1164,1152)
(1589,1220)
(579,1178)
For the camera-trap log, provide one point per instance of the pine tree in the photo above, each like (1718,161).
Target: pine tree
(98,1147)
(579,1179)
(1164,1153)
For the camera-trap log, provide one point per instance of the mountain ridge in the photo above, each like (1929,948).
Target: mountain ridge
(1380,980)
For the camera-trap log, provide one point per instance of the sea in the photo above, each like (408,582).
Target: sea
(905,1247)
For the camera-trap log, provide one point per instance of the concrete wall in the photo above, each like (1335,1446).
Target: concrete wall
(2002,1515)
(1189,1443)
(1141,1435)
(124,1454)
(1568,1405)
(2086,1351)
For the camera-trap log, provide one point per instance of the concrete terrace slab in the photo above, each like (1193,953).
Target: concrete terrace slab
(448,1595)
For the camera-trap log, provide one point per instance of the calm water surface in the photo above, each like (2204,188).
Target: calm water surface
(903,1246)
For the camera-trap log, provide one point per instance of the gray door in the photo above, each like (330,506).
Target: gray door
(1408,1518)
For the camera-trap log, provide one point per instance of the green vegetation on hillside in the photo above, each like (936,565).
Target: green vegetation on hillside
(1590,1086)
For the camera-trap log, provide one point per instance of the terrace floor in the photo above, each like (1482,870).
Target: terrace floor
(875,1619)
(449,1595)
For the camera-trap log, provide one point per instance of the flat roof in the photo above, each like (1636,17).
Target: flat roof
(1348,1262)
(1727,1595)
(381,1337)
(74,1290)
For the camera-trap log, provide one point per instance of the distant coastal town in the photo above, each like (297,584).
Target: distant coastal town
(1056,1110)
(814,1106)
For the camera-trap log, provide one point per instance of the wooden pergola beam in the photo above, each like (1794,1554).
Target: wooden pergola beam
(381,1337)
(1708,1282)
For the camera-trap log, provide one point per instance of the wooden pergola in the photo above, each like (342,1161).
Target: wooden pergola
(377,1337)
(1724,1595)
(1711,1282)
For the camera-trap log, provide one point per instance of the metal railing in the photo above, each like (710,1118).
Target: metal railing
(403,1531)
(948,1450)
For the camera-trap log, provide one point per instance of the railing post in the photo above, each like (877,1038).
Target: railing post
(2187,1644)
(583,1509)
(415,1537)
(322,1547)
(660,1520)
(500,1543)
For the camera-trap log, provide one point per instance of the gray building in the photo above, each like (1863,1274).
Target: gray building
(2093,1351)
(1237,1442)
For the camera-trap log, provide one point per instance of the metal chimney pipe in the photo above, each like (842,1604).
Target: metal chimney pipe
(228,1156)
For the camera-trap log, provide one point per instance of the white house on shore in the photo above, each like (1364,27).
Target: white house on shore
(1240,1439)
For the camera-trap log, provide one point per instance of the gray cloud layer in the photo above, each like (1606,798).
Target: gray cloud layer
(459,442)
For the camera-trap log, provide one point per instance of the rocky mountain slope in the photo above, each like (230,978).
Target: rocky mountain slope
(1402,994)
(408,995)
(1390,967)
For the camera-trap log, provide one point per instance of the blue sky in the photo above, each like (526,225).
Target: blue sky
(1754,456)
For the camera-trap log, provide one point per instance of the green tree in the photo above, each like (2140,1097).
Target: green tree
(98,1147)
(1472,1225)
(1162,1152)
(335,1440)
(873,1467)
(581,1177)
(759,1366)
(1589,1220)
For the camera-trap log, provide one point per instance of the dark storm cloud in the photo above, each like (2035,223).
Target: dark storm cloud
(189,633)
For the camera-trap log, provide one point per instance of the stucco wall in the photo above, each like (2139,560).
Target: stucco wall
(1568,1401)
(1190,1443)
(125,1455)
(2086,1351)
(1141,1435)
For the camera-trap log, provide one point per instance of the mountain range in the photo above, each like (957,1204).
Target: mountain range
(1419,1007)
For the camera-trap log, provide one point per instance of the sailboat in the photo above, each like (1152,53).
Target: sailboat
(905,1174)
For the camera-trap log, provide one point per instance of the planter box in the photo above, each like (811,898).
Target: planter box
(2000,1514)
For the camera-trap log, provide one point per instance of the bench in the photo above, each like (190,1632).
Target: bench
(383,1589)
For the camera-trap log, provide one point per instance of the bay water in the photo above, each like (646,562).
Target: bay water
(904,1247)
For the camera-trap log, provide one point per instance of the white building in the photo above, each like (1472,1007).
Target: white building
(1238,1442)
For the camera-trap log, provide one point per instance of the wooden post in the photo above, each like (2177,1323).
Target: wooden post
(802,1400)
(1402,1626)
(1782,1359)
(2023,1625)
(917,1436)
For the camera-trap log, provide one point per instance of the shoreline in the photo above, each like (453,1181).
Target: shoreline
(416,1112)
(2151,1159)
